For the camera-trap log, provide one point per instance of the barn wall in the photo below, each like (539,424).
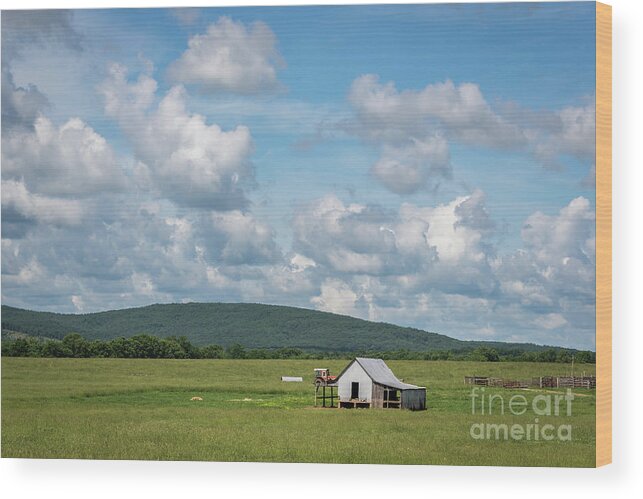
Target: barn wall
(414,399)
(378,396)
(355,373)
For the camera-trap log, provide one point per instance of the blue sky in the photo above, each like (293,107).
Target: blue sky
(428,165)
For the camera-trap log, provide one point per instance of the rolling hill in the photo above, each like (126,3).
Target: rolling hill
(252,325)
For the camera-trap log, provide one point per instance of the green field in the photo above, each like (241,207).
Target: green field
(141,409)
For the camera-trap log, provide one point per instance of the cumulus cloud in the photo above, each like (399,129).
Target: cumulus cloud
(451,230)
(23,30)
(436,267)
(82,231)
(230,57)
(243,239)
(16,198)
(570,131)
(337,297)
(553,274)
(347,238)
(413,129)
(551,321)
(20,105)
(560,238)
(421,247)
(404,169)
(385,112)
(427,266)
(67,160)
(191,162)
(51,174)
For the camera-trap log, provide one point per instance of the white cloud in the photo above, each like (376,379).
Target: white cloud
(30,273)
(441,247)
(337,297)
(70,160)
(191,162)
(127,100)
(434,267)
(20,106)
(245,239)
(57,211)
(572,131)
(528,293)
(78,303)
(555,267)
(347,238)
(569,235)
(550,321)
(299,263)
(579,130)
(411,128)
(230,57)
(406,169)
(143,284)
(455,239)
(398,121)
(429,267)
(386,113)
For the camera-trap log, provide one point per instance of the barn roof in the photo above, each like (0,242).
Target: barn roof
(380,373)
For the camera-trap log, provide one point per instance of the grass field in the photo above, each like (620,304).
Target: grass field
(141,409)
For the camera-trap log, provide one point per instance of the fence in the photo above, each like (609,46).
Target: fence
(587,382)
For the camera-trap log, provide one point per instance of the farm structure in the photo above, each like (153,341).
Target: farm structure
(370,383)
(588,382)
(323,380)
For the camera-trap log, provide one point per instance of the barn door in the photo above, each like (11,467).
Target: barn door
(354,390)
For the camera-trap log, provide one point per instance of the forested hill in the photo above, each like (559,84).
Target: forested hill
(251,325)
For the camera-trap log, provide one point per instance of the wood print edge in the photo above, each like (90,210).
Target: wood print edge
(603,234)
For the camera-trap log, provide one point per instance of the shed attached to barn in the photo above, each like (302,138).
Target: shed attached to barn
(370,383)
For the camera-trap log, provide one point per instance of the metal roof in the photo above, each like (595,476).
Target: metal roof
(380,373)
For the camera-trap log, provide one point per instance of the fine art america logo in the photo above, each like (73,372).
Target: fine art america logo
(487,406)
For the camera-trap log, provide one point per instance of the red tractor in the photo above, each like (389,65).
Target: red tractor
(323,377)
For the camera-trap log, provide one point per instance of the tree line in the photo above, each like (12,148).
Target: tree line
(144,346)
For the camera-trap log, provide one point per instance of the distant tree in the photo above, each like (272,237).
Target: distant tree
(585,357)
(212,352)
(236,351)
(260,353)
(16,348)
(78,345)
(171,349)
(288,353)
(121,348)
(55,348)
(436,355)
(145,346)
(485,354)
(191,352)
(548,355)
(98,348)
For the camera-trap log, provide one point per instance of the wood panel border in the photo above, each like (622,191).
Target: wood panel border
(603,234)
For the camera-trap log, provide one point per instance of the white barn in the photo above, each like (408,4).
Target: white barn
(370,383)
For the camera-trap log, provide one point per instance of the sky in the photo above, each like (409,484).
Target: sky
(425,165)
